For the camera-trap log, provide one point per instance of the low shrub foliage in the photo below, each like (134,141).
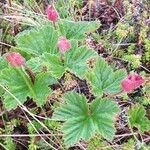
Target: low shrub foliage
(44,55)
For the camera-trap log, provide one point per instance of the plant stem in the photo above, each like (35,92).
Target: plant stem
(113,95)
(30,73)
(54,25)
(62,58)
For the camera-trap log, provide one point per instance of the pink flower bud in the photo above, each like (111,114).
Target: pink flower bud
(63,45)
(15,59)
(52,14)
(132,82)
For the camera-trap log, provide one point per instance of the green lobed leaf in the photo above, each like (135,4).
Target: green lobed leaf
(75,61)
(103,111)
(77,30)
(103,79)
(138,119)
(36,64)
(82,120)
(77,129)
(76,104)
(38,40)
(16,85)
(3,63)
(20,85)
(41,88)
(55,64)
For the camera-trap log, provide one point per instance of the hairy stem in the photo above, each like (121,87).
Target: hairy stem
(30,73)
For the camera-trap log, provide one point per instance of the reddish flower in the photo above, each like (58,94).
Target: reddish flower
(15,59)
(132,82)
(63,45)
(52,14)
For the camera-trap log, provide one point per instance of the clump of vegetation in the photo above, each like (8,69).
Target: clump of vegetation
(72,80)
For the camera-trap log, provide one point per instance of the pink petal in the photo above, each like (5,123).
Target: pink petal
(52,14)
(132,82)
(63,44)
(15,59)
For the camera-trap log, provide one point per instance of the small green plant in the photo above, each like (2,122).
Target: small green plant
(138,119)
(42,42)
(83,120)
(147,49)
(130,144)
(95,142)
(8,141)
(124,30)
(135,60)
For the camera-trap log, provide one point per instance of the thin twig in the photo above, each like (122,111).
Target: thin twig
(39,133)
(10,3)
(127,134)
(28,135)
(6,44)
